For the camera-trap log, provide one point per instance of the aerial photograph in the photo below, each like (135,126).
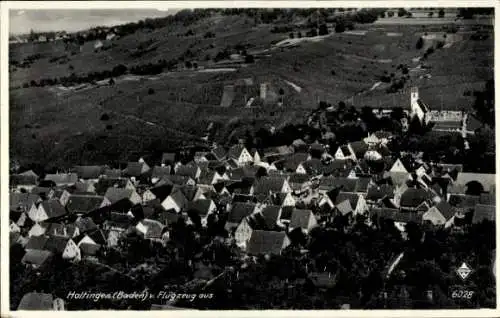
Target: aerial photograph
(252,158)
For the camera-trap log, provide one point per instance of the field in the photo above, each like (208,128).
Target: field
(151,114)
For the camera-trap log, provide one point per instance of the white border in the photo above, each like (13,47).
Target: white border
(4,162)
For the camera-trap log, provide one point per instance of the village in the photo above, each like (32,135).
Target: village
(262,202)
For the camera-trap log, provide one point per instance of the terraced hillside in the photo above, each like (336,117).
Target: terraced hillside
(154,113)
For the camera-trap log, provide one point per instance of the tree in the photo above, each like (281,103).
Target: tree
(291,35)
(151,91)
(299,35)
(249,59)
(323,29)
(339,27)
(420,43)
(402,12)
(430,14)
(441,13)
(390,14)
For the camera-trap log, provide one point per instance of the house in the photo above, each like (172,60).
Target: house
(61,230)
(159,172)
(176,180)
(22,202)
(345,184)
(84,203)
(85,224)
(283,199)
(398,166)
(256,156)
(400,219)
(303,219)
(484,212)
(358,149)
(168,158)
(267,242)
(62,179)
(26,180)
(96,236)
(415,199)
(40,301)
(298,182)
(151,230)
(439,214)
(271,216)
(202,208)
(346,202)
(43,192)
(136,169)
(191,171)
(111,173)
(36,258)
(58,245)
(174,201)
(209,177)
(85,186)
(105,183)
(237,212)
(240,154)
(418,108)
(46,210)
(219,153)
(89,172)
(463,203)
(89,252)
(378,192)
(293,162)
(344,152)
(272,184)
(279,151)
(114,195)
(378,138)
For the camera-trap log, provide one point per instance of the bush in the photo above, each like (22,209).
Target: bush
(249,59)
(390,14)
(104,117)
(441,13)
(291,35)
(340,27)
(402,12)
(151,91)
(109,127)
(323,29)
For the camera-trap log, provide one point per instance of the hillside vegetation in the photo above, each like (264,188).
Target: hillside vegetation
(161,78)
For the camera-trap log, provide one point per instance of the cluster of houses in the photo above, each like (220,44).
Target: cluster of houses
(263,196)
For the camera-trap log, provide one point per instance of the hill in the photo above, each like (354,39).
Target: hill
(172,77)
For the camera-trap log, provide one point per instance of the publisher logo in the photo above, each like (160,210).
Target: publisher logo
(464,271)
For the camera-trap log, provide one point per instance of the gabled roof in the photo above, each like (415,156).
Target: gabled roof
(56,244)
(396,215)
(159,172)
(179,198)
(189,191)
(345,184)
(271,214)
(19,179)
(117,194)
(299,178)
(239,211)
(397,178)
(168,158)
(162,192)
(353,198)
(174,179)
(413,197)
(200,206)
(235,151)
(83,203)
(286,213)
(36,242)
(278,150)
(136,169)
(267,185)
(266,242)
(463,201)
(219,153)
(292,162)
(344,207)
(112,173)
(359,148)
(206,176)
(446,209)
(58,229)
(34,257)
(62,178)
(154,229)
(482,211)
(53,208)
(300,218)
(377,192)
(85,224)
(89,249)
(89,172)
(187,170)
(22,201)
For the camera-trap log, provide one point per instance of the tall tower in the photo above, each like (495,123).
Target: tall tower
(263,90)
(414,95)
